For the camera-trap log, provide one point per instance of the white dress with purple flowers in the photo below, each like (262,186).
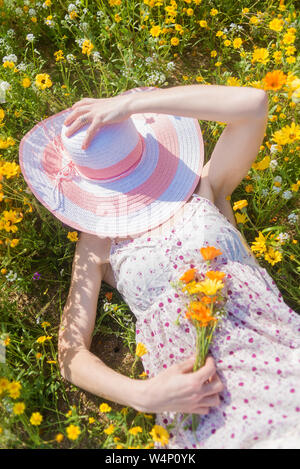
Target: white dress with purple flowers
(256,347)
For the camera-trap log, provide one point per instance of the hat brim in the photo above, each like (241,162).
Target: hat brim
(164,179)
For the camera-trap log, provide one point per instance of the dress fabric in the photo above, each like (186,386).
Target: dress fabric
(256,348)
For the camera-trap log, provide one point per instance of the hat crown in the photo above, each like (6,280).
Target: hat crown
(113,151)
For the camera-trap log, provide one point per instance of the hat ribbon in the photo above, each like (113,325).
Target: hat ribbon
(67,172)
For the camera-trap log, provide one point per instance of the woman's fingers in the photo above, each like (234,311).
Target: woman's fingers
(75,114)
(213,387)
(90,134)
(77,124)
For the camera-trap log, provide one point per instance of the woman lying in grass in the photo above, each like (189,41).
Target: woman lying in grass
(128,173)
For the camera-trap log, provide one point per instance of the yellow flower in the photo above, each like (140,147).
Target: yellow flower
(273,256)
(259,244)
(140,349)
(87,47)
(14,389)
(213,12)
(263,164)
(160,435)
(237,43)
(135,430)
(295,187)
(203,23)
(240,204)
(174,41)
(287,135)
(45,324)
(276,24)
(109,430)
(4,385)
(73,14)
(117,18)
(91,420)
(190,11)
(59,55)
(104,407)
(209,286)
(2,114)
(36,418)
(18,408)
(43,81)
(227,43)
(72,236)
(155,31)
(3,271)
(14,242)
(260,55)
(241,217)
(26,82)
(249,188)
(41,339)
(38,355)
(59,437)
(73,432)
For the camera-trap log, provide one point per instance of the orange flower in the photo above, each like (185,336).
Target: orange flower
(215,275)
(207,299)
(210,252)
(108,295)
(274,80)
(200,313)
(188,275)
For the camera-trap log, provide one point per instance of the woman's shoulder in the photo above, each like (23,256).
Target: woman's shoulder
(97,249)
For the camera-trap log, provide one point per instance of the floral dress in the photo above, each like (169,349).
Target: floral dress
(256,348)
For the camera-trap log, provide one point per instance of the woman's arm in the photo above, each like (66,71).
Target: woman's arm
(175,389)
(229,104)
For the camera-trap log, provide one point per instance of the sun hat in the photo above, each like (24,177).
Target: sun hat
(133,176)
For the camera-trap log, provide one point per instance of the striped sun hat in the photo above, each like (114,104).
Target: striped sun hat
(133,176)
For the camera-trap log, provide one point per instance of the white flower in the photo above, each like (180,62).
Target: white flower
(293,217)
(11,276)
(19,11)
(278,179)
(22,67)
(100,14)
(70,58)
(232,26)
(149,60)
(11,32)
(96,56)
(10,58)
(273,149)
(32,12)
(84,11)
(84,26)
(4,85)
(264,192)
(283,237)
(276,189)
(72,7)
(287,195)
(30,37)
(273,164)
(170,66)
(80,41)
(50,23)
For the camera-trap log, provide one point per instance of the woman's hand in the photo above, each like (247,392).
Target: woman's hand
(179,389)
(97,112)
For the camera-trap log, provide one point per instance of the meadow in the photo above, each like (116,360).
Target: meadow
(55,53)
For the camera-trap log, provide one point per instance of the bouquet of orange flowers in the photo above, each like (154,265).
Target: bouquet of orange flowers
(206,296)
